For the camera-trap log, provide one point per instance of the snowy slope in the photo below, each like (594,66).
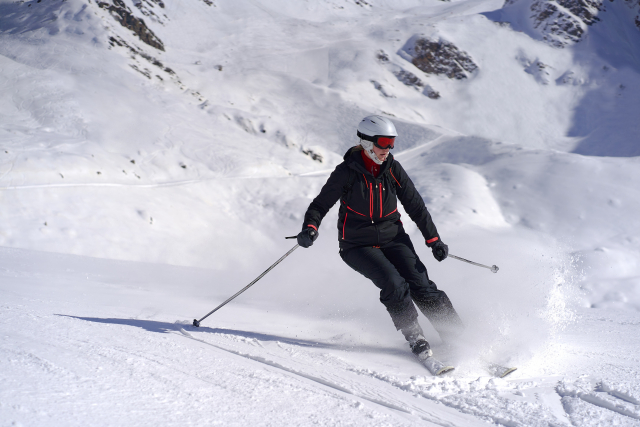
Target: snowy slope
(183,140)
(89,341)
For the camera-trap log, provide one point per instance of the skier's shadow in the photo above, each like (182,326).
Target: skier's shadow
(166,328)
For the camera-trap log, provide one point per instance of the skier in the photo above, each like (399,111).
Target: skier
(372,239)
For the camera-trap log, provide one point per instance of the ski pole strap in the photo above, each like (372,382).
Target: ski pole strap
(493,268)
(197,322)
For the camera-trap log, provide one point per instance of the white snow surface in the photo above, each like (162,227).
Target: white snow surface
(140,188)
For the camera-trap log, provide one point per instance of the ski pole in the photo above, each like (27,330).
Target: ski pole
(493,268)
(196,323)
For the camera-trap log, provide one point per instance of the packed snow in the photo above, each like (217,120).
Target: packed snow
(154,155)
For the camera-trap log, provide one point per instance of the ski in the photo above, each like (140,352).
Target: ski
(435,366)
(499,371)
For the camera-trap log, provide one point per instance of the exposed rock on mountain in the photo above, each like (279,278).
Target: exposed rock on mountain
(382,56)
(431,92)
(314,156)
(535,67)
(570,78)
(147,8)
(404,76)
(142,60)
(123,14)
(381,89)
(564,21)
(558,22)
(635,5)
(118,41)
(441,57)
(409,79)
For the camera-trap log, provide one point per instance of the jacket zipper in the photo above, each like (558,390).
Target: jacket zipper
(380,199)
(371,202)
(368,184)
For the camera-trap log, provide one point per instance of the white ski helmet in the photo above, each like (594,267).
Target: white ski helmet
(376,130)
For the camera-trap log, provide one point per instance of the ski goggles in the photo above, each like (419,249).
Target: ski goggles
(380,141)
(384,142)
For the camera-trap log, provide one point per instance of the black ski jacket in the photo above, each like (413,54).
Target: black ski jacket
(369,206)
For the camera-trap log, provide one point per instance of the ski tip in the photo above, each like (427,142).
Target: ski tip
(507,372)
(196,323)
(444,370)
(436,367)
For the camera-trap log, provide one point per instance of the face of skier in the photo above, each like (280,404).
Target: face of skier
(381,153)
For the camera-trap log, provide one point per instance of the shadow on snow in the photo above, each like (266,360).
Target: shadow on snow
(166,327)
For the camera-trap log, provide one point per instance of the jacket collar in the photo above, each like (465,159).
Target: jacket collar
(354,161)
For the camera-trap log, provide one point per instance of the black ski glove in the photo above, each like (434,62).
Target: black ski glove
(440,250)
(307,236)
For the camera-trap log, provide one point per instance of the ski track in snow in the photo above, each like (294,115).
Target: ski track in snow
(412,152)
(398,395)
(341,384)
(160,371)
(118,185)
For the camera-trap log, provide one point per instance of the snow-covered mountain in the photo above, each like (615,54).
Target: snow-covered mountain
(176,142)
(568,22)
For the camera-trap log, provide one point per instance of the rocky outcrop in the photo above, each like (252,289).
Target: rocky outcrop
(441,58)
(314,156)
(411,80)
(142,59)
(408,78)
(381,89)
(118,41)
(564,21)
(635,6)
(123,14)
(405,77)
(382,57)
(558,22)
(148,8)
(431,92)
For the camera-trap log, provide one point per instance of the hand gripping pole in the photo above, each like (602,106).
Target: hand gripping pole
(197,322)
(493,268)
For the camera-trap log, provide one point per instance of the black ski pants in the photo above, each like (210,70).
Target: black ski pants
(402,278)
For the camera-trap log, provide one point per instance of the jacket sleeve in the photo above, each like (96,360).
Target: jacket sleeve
(414,204)
(329,195)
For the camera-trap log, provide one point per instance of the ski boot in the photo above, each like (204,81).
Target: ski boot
(421,348)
